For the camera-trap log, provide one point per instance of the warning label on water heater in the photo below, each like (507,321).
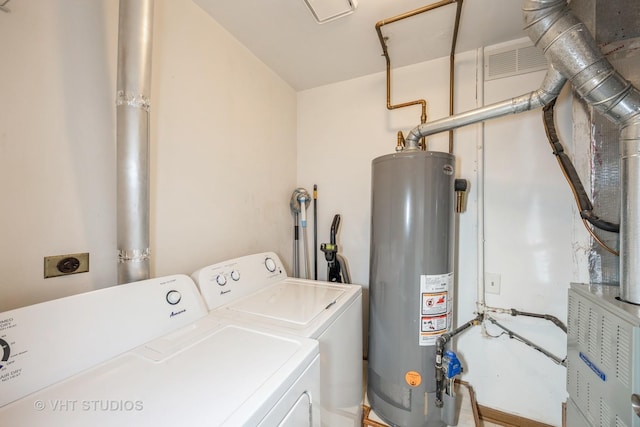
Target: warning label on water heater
(435,307)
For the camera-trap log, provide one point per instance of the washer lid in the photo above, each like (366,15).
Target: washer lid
(208,374)
(291,301)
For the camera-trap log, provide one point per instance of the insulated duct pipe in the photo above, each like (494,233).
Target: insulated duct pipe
(574,55)
(568,45)
(135,33)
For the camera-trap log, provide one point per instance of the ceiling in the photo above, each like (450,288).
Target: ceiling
(284,35)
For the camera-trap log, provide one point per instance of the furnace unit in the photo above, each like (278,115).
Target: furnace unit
(603,358)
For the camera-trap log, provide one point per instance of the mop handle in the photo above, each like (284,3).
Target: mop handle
(315,232)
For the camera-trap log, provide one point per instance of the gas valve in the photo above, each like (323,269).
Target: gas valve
(451,365)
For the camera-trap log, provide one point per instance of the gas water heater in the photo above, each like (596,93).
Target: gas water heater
(410,283)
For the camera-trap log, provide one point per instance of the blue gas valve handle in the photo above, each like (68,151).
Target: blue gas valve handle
(451,364)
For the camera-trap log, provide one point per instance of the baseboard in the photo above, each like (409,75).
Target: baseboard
(506,419)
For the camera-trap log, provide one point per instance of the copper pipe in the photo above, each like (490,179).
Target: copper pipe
(452,58)
(400,144)
(385,52)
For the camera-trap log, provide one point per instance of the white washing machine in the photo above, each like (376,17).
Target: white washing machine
(48,342)
(206,372)
(254,290)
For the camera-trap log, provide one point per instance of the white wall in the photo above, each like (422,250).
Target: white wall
(224,163)
(222,145)
(528,216)
(225,132)
(528,232)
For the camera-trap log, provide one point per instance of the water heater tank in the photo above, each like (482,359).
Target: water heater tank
(410,282)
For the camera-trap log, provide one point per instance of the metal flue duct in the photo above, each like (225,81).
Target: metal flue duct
(575,56)
(549,90)
(570,47)
(132,115)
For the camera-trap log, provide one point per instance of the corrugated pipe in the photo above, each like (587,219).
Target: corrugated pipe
(135,33)
(575,56)
(569,46)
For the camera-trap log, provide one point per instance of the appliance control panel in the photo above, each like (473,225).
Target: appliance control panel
(44,343)
(229,280)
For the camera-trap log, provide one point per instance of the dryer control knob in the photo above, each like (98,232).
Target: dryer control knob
(235,275)
(173,297)
(270,264)
(221,280)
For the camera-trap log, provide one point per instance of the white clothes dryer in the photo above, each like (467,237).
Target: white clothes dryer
(254,290)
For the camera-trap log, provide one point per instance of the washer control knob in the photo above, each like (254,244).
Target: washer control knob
(270,264)
(221,280)
(235,275)
(173,297)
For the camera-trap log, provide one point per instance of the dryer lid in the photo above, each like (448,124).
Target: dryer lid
(291,301)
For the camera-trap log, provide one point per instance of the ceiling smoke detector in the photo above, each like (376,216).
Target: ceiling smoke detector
(328,10)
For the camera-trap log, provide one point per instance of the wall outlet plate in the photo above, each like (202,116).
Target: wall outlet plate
(63,265)
(492,283)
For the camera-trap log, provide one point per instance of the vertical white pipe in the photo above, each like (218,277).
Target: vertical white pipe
(132,115)
(630,212)
(481,304)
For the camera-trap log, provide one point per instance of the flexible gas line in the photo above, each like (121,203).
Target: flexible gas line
(513,335)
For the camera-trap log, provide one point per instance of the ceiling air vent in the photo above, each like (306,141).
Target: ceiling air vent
(328,10)
(512,59)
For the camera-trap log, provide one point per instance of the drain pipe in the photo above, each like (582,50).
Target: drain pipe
(568,45)
(135,33)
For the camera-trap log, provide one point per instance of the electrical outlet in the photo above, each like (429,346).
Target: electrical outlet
(62,265)
(492,283)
